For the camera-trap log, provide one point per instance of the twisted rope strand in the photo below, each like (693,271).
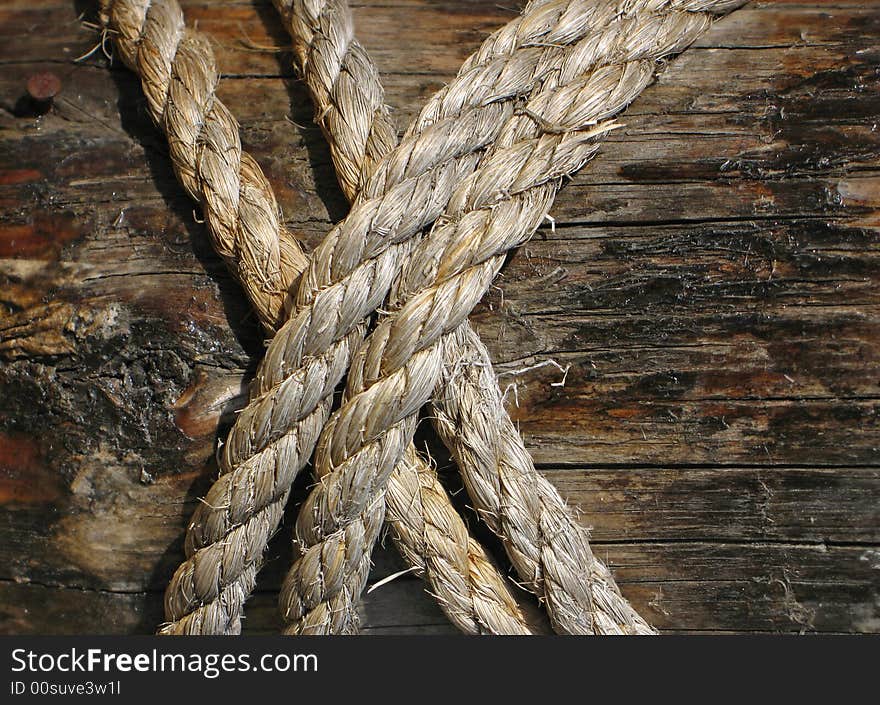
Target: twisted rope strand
(179,78)
(399,366)
(548,548)
(433,538)
(344,83)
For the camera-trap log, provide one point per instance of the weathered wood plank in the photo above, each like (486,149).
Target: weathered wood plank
(738,505)
(710,283)
(691,587)
(84,536)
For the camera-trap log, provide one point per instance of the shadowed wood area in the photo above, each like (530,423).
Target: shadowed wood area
(691,351)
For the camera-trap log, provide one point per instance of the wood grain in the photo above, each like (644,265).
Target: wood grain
(710,284)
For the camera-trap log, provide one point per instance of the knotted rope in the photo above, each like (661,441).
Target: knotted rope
(428,532)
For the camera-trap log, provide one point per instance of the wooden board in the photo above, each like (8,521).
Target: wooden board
(711,286)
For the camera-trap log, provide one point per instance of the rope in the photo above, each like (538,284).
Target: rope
(344,83)
(179,78)
(305,361)
(349,106)
(276,433)
(395,373)
(429,532)
(440,156)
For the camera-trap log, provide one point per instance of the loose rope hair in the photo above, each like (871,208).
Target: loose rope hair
(428,532)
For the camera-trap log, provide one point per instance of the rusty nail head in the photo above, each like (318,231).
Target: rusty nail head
(43,87)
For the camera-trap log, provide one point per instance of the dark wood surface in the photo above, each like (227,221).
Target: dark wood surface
(711,286)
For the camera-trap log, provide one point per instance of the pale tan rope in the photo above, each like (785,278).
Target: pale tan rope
(459,573)
(394,374)
(549,549)
(336,79)
(344,83)
(397,370)
(203,140)
(231,527)
(349,105)
(407,191)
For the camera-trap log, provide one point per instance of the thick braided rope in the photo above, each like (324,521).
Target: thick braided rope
(334,78)
(348,98)
(345,87)
(394,374)
(468,586)
(408,190)
(349,105)
(402,361)
(275,434)
(179,78)
(461,576)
